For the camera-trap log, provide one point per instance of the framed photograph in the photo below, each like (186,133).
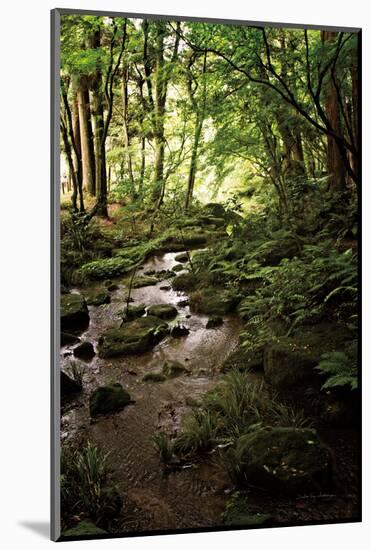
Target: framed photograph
(206,179)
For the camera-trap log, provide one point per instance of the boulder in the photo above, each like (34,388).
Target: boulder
(215,209)
(133,312)
(182,257)
(74,313)
(242,359)
(184,281)
(178,331)
(84,351)
(171,369)
(178,267)
(98,297)
(287,364)
(183,303)
(68,339)
(163,311)
(214,321)
(284,460)
(139,282)
(108,399)
(212,301)
(133,337)
(69,386)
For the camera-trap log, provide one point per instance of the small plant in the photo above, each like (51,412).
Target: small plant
(340,368)
(84,484)
(76,372)
(163,445)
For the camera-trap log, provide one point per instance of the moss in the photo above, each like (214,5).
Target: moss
(74,313)
(107,267)
(286,365)
(242,359)
(98,297)
(215,209)
(171,369)
(133,337)
(290,460)
(83,528)
(239,512)
(212,301)
(163,311)
(185,281)
(108,399)
(178,267)
(154,377)
(144,281)
(134,311)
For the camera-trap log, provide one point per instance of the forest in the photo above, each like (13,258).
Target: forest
(210,178)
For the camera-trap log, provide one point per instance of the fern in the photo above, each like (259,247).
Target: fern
(340,367)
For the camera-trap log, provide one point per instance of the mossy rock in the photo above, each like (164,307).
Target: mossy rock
(215,209)
(74,313)
(108,399)
(175,243)
(133,337)
(183,257)
(163,311)
(139,282)
(84,351)
(154,377)
(84,528)
(68,339)
(214,321)
(98,297)
(212,301)
(171,369)
(179,330)
(134,311)
(185,281)
(211,220)
(106,268)
(286,365)
(286,460)
(69,386)
(178,267)
(242,360)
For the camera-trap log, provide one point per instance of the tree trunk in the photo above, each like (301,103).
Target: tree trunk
(125,105)
(335,163)
(193,165)
(87,140)
(77,141)
(71,168)
(159,115)
(99,144)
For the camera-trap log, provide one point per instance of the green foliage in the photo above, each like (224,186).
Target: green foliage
(234,408)
(85,485)
(340,368)
(106,268)
(163,445)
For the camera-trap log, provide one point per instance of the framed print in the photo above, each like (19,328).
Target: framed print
(206,180)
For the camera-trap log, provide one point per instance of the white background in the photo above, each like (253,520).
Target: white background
(24,256)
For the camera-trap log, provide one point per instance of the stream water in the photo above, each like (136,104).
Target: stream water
(194,495)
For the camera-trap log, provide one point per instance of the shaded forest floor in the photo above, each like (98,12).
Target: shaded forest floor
(262,307)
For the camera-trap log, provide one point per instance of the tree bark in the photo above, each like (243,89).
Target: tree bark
(87,139)
(99,144)
(335,162)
